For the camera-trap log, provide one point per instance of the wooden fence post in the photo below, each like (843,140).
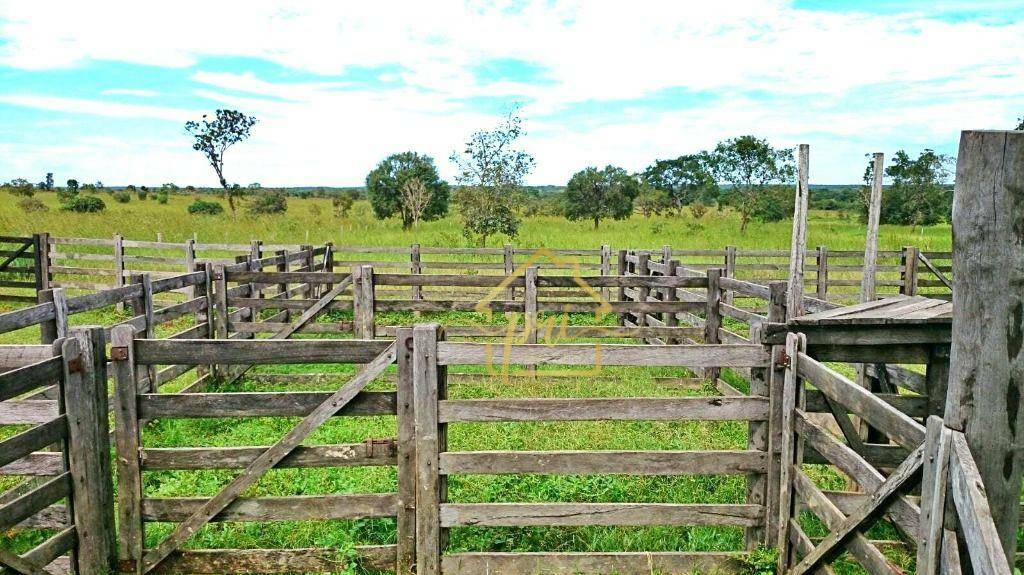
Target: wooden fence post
(606,268)
(621,271)
(41,260)
(206,315)
(190,261)
(822,277)
(406,439)
(530,310)
(790,453)
(363,301)
(416,268)
(908,270)
(221,305)
(429,387)
(127,440)
(776,376)
(666,253)
(282,288)
(85,399)
(119,266)
(730,271)
(798,242)
(713,318)
(671,318)
(51,331)
(987,357)
(510,268)
(328,264)
(868,291)
(642,269)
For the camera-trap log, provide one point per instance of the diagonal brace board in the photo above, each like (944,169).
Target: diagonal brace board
(19,564)
(871,507)
(266,461)
(17,254)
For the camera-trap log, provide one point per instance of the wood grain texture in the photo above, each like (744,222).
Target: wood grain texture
(602,462)
(597,409)
(576,514)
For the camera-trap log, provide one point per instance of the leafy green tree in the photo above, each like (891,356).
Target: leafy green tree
(391,186)
(19,187)
(269,202)
(214,137)
(652,201)
(918,193)
(1020,125)
(491,174)
(686,179)
(593,194)
(69,192)
(205,208)
(84,204)
(343,202)
(751,166)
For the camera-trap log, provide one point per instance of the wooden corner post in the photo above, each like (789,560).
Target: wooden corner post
(431,437)
(406,439)
(798,242)
(987,356)
(85,400)
(908,270)
(867,281)
(363,301)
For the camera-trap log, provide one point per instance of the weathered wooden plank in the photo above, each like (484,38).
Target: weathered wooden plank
(290,508)
(798,242)
(974,510)
(336,455)
(33,439)
(861,402)
(575,514)
(602,462)
(127,442)
(327,560)
(28,411)
(450,353)
(595,409)
(204,351)
(789,399)
(429,387)
(258,404)
(934,483)
(39,372)
(36,464)
(17,510)
(636,563)
(54,547)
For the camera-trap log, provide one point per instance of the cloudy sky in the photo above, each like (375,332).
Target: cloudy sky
(100,90)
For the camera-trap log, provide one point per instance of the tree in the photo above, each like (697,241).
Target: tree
(593,194)
(343,202)
(386,187)
(269,202)
(19,187)
(47,183)
(415,197)
(1020,125)
(491,172)
(918,194)
(214,137)
(686,179)
(751,166)
(69,192)
(652,201)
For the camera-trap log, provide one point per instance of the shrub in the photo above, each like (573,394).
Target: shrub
(161,197)
(84,204)
(19,187)
(122,197)
(698,210)
(342,204)
(30,205)
(202,207)
(269,203)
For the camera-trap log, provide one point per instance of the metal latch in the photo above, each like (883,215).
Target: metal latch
(119,352)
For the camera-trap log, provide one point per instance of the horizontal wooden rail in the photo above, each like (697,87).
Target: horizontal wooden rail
(594,409)
(257,404)
(456,353)
(602,462)
(578,514)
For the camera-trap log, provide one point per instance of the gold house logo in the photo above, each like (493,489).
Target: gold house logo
(554,329)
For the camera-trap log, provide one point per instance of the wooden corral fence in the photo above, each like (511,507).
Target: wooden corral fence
(22,267)
(62,454)
(98,263)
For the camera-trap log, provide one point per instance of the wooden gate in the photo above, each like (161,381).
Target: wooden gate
(136,508)
(22,267)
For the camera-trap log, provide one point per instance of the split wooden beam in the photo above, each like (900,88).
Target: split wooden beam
(270,458)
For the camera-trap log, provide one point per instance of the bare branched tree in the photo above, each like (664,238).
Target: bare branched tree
(415,198)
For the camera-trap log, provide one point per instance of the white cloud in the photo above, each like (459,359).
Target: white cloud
(130,92)
(837,80)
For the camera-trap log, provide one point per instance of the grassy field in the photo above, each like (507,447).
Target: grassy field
(312,221)
(142,220)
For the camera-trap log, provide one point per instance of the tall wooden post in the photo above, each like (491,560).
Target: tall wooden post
(405,556)
(774,383)
(119,266)
(987,359)
(429,386)
(822,277)
(730,271)
(41,260)
(51,331)
(798,242)
(415,267)
(606,268)
(85,399)
(510,268)
(642,269)
(908,273)
(621,271)
(362,301)
(867,281)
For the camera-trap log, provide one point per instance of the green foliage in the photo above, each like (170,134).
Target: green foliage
(751,166)
(162,196)
(761,561)
(19,187)
(84,204)
(652,201)
(213,138)
(1020,123)
(492,172)
(205,208)
(698,209)
(270,202)
(390,185)
(122,197)
(774,204)
(32,205)
(686,179)
(593,194)
(918,194)
(342,203)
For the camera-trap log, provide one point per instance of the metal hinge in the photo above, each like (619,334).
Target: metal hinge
(119,352)
(380,447)
(784,361)
(75,365)
(126,566)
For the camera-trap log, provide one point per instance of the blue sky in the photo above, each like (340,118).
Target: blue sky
(99,91)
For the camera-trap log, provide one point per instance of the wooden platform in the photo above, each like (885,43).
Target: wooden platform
(896,310)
